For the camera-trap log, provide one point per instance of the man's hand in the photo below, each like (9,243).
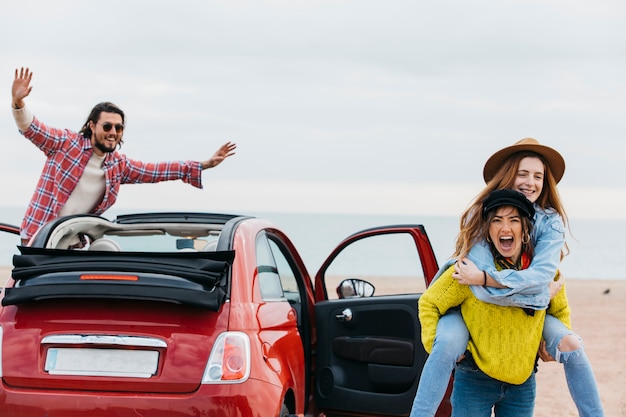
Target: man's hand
(226,150)
(21,87)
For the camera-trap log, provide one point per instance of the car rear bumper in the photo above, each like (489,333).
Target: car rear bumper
(252,397)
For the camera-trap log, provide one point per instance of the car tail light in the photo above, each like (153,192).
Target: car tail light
(230,359)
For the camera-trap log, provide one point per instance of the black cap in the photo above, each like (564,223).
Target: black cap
(507,197)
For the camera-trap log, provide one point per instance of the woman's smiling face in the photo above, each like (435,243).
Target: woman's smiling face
(505,231)
(529,179)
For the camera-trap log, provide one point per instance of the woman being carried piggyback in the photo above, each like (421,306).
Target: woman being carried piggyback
(496,374)
(534,170)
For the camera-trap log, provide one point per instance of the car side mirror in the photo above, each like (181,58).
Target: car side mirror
(354,287)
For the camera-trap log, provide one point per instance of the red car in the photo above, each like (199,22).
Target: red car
(196,314)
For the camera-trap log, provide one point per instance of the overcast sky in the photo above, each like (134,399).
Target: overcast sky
(336,106)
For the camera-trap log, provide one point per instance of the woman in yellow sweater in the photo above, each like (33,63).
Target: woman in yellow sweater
(497,373)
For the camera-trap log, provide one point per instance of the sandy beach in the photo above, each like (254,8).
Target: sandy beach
(599,317)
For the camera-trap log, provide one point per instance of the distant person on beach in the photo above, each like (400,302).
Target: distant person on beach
(535,170)
(497,373)
(83,171)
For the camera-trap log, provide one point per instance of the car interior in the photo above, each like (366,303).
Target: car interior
(98,234)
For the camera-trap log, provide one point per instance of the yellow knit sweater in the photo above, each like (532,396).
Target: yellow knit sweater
(503,340)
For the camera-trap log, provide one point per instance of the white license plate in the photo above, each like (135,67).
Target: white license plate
(102,362)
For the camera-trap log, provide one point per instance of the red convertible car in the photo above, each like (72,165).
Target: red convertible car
(198,314)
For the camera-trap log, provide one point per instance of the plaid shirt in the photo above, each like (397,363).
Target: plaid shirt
(67,155)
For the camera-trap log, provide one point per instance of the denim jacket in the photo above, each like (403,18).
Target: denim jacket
(527,288)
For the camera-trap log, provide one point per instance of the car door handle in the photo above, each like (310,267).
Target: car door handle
(346,315)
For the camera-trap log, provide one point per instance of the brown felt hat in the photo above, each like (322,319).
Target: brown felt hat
(553,158)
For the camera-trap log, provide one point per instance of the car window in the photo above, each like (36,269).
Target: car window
(159,243)
(276,277)
(285,273)
(162,235)
(390,262)
(267,270)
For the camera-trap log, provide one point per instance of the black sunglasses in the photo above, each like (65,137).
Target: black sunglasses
(108,126)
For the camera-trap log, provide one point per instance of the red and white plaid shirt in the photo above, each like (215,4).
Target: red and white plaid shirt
(67,155)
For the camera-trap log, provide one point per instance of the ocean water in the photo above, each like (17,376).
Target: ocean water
(596,247)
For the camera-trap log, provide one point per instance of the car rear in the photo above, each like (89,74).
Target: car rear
(107,357)
(106,333)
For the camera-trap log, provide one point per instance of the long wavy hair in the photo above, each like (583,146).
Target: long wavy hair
(94,116)
(471,231)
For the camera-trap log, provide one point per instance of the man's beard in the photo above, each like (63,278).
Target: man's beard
(102,147)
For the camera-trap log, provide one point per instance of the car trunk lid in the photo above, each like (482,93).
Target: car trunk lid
(108,345)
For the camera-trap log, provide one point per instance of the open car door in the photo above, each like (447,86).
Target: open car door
(369,352)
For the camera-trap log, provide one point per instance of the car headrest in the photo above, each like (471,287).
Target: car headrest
(104,244)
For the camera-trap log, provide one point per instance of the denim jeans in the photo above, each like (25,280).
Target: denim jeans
(450,343)
(476,394)
(580,379)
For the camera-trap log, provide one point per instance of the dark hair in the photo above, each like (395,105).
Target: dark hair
(508,197)
(94,116)
(527,228)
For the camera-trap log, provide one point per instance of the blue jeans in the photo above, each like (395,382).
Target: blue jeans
(476,394)
(580,379)
(450,343)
